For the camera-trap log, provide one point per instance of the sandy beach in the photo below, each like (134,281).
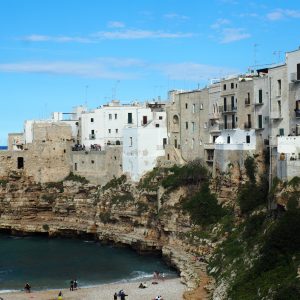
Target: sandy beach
(169,289)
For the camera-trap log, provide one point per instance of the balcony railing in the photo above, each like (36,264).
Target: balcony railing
(224,126)
(247,101)
(227,109)
(215,128)
(276,115)
(247,125)
(213,116)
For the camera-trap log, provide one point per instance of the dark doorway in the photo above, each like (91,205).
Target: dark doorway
(20,162)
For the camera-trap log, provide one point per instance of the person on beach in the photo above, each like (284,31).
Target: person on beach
(71,285)
(123,295)
(60,296)
(115,296)
(75,284)
(27,288)
(142,285)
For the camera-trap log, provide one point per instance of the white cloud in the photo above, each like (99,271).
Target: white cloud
(115,24)
(193,71)
(104,68)
(176,16)
(219,23)
(230,35)
(139,34)
(129,34)
(280,14)
(58,39)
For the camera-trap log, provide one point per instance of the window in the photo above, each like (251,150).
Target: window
(129,118)
(205,125)
(145,120)
(160,117)
(75,166)
(186,125)
(298,71)
(92,120)
(193,108)
(20,162)
(117,130)
(175,143)
(77,123)
(109,130)
(92,161)
(193,126)
(279,87)
(201,106)
(224,87)
(186,105)
(156,125)
(232,102)
(164,142)
(248,139)
(232,85)
(130,141)
(225,104)
(92,131)
(281,131)
(260,96)
(110,116)
(193,143)
(116,116)
(228,140)
(260,119)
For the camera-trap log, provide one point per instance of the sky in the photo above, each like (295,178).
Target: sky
(57,54)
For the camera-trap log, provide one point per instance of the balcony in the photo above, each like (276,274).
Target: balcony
(92,136)
(213,116)
(215,128)
(247,101)
(247,125)
(209,146)
(295,77)
(258,103)
(227,126)
(276,115)
(227,109)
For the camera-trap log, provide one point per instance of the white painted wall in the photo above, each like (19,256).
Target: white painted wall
(237,140)
(288,144)
(292,59)
(109,122)
(142,145)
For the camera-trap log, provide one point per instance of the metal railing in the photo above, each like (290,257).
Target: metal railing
(227,108)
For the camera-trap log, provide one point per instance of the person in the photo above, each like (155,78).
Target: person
(142,285)
(115,296)
(60,296)
(27,287)
(75,284)
(71,285)
(122,295)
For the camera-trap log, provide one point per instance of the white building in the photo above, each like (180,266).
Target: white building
(104,125)
(143,144)
(237,139)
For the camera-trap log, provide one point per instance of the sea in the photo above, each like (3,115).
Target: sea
(48,263)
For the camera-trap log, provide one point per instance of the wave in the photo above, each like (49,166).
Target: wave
(8,291)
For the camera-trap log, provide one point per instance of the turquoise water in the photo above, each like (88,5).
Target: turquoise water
(52,263)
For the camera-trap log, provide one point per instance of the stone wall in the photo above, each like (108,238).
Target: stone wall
(98,166)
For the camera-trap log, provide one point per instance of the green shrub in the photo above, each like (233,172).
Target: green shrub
(190,174)
(57,185)
(251,168)
(122,198)
(114,183)
(203,207)
(48,197)
(141,207)
(46,227)
(3,182)
(104,217)
(251,195)
(74,177)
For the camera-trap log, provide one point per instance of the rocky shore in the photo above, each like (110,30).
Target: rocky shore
(120,214)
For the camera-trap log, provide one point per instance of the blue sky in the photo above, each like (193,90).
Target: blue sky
(61,53)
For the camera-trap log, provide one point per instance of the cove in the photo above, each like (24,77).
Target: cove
(48,263)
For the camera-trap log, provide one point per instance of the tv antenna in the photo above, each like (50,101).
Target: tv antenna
(114,90)
(277,54)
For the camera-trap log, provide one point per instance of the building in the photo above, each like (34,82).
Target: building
(144,143)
